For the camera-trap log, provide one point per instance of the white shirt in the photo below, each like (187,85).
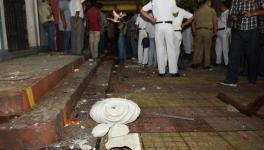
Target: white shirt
(222,20)
(162,9)
(140,22)
(177,21)
(76,5)
(150,29)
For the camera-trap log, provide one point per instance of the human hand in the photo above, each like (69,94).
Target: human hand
(175,14)
(153,20)
(247,14)
(65,26)
(234,18)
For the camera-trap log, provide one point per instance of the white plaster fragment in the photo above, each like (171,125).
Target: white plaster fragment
(112,111)
(231,108)
(82,127)
(131,140)
(118,130)
(100,130)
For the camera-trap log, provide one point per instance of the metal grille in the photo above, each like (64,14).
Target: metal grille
(16,25)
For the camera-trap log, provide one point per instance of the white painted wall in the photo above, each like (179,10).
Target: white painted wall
(32,23)
(4,44)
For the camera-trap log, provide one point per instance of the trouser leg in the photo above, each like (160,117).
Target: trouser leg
(142,34)
(225,45)
(207,47)
(236,52)
(218,48)
(80,37)
(261,56)
(96,43)
(198,51)
(151,52)
(160,48)
(177,40)
(170,46)
(91,41)
(66,40)
(252,54)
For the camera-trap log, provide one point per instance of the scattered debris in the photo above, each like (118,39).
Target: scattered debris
(90,60)
(158,88)
(116,66)
(82,127)
(76,70)
(174,116)
(143,88)
(231,108)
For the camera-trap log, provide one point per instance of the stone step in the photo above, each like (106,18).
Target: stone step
(44,124)
(24,81)
(78,135)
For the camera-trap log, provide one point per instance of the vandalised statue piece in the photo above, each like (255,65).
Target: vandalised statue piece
(112,115)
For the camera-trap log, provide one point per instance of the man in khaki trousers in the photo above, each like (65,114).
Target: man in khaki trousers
(204,28)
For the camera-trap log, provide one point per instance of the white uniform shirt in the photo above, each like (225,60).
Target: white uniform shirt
(177,21)
(76,5)
(150,28)
(162,9)
(222,20)
(140,22)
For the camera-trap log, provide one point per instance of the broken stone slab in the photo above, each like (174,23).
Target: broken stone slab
(118,130)
(131,141)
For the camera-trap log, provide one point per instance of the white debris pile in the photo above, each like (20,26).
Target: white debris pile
(112,115)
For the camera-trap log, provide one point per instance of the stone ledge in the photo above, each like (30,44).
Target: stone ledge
(44,124)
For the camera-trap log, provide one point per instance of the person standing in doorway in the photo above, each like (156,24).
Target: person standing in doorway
(65,23)
(163,12)
(92,17)
(204,28)
(77,36)
(223,36)
(47,20)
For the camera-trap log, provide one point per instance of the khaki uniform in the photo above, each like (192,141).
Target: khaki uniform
(204,24)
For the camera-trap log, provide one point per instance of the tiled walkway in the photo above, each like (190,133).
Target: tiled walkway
(193,96)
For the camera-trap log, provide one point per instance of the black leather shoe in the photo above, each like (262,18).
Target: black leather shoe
(176,75)
(161,75)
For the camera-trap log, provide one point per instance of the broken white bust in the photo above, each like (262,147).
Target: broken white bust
(113,114)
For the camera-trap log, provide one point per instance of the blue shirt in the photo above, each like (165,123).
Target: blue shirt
(64,5)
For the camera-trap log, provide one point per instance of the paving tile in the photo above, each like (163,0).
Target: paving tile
(205,140)
(244,140)
(164,141)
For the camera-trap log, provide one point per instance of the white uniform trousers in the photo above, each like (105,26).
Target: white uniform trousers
(177,42)
(142,53)
(222,46)
(187,40)
(165,48)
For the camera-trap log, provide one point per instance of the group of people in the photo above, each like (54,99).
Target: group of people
(74,19)
(156,35)
(238,33)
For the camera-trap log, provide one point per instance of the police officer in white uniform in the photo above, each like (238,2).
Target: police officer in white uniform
(142,53)
(177,27)
(163,12)
(223,36)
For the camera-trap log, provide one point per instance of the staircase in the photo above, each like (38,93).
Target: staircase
(36,104)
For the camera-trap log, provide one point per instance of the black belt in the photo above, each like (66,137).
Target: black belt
(141,29)
(220,29)
(170,22)
(206,28)
(177,30)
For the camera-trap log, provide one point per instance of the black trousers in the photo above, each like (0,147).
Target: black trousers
(243,43)
(261,55)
